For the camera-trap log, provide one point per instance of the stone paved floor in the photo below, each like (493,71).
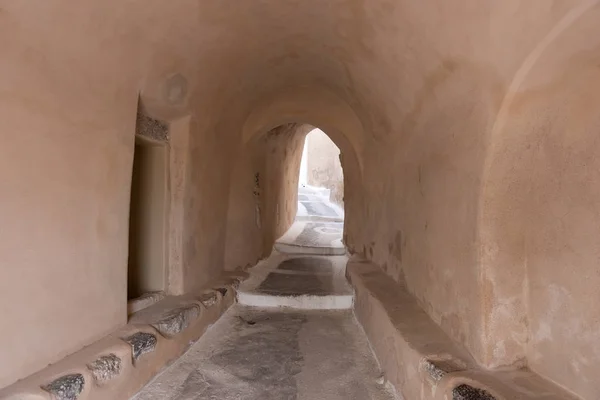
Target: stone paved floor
(313,237)
(270,354)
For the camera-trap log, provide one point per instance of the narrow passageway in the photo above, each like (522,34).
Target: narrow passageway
(319,222)
(292,334)
(264,173)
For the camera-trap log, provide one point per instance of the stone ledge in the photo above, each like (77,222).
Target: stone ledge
(108,369)
(417,356)
(144,301)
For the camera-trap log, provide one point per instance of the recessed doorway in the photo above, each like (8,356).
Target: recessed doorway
(147,221)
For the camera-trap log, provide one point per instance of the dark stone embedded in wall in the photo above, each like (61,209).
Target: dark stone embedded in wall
(222,290)
(105,368)
(235,281)
(177,320)
(466,392)
(257,203)
(151,128)
(397,246)
(209,299)
(141,343)
(436,369)
(67,387)
(256,184)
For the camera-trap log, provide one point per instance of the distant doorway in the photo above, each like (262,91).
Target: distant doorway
(319,224)
(321,180)
(147,221)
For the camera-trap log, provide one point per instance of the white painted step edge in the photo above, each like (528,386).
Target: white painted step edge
(303,302)
(311,250)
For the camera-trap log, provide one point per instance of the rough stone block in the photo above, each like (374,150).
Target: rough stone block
(466,392)
(177,320)
(67,387)
(105,368)
(436,369)
(144,301)
(141,343)
(235,283)
(209,299)
(151,128)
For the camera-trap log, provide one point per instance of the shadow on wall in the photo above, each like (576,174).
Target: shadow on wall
(263,194)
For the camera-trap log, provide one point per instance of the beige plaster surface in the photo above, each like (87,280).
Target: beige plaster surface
(69,93)
(405,339)
(263,194)
(284,148)
(179,131)
(467,132)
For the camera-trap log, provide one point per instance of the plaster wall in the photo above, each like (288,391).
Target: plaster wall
(179,135)
(65,171)
(540,209)
(206,208)
(324,166)
(245,213)
(263,194)
(285,145)
(411,92)
(71,75)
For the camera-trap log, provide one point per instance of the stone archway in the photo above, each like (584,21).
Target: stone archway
(304,108)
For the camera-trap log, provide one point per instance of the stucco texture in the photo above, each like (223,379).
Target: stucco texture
(467,130)
(263,198)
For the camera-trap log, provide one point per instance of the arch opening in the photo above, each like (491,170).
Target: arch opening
(260,205)
(266,197)
(318,194)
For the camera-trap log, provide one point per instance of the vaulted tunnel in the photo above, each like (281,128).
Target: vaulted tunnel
(468,134)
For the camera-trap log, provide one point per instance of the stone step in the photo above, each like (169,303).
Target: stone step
(312,237)
(285,280)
